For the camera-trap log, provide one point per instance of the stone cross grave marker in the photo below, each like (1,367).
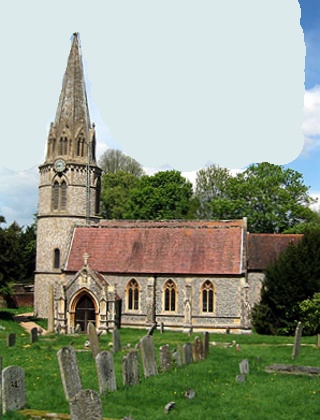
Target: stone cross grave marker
(11,339)
(197,349)
(187,354)
(244,367)
(165,358)
(33,335)
(105,371)
(297,340)
(13,389)
(116,340)
(69,371)
(131,369)
(205,344)
(176,356)
(85,405)
(148,356)
(94,340)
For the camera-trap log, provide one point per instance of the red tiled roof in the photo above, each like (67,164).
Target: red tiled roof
(174,247)
(264,248)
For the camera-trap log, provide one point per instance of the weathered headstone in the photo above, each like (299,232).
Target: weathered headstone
(197,349)
(69,371)
(86,404)
(176,356)
(244,367)
(11,339)
(13,389)
(116,340)
(94,340)
(33,335)
(205,344)
(105,371)
(0,387)
(297,340)
(165,358)
(241,378)
(51,309)
(131,369)
(148,356)
(187,354)
(161,327)
(77,330)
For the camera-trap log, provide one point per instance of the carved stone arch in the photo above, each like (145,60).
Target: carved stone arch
(63,142)
(80,142)
(59,192)
(83,308)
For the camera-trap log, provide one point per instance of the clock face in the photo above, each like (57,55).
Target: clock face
(59,165)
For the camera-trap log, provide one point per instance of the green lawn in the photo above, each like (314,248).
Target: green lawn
(218,395)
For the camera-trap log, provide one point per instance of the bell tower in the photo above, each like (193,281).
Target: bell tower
(69,189)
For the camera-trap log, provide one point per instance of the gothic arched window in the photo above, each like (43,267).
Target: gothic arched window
(133,294)
(56,258)
(170,296)
(207,294)
(59,195)
(98,196)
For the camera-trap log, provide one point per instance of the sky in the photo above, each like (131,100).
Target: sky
(126,107)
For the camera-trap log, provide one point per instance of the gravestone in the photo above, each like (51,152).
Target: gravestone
(131,369)
(241,378)
(244,367)
(69,371)
(165,358)
(86,404)
(197,349)
(77,330)
(13,389)
(94,340)
(0,387)
(105,371)
(11,339)
(161,327)
(297,341)
(148,356)
(116,340)
(177,358)
(187,354)
(51,309)
(33,335)
(205,344)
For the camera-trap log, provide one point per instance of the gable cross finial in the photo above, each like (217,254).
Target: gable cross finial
(85,258)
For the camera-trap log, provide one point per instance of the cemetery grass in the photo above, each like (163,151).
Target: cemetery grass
(218,395)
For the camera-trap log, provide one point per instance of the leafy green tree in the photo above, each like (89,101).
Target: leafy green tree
(113,161)
(274,199)
(310,315)
(115,192)
(293,278)
(210,185)
(163,196)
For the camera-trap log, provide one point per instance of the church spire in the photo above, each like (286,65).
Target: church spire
(71,133)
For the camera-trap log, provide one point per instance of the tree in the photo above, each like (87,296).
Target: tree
(274,199)
(293,278)
(163,196)
(113,161)
(210,184)
(115,192)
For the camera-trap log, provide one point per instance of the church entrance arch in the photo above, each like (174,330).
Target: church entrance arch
(85,312)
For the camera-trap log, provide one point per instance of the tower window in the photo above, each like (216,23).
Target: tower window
(170,295)
(59,195)
(56,258)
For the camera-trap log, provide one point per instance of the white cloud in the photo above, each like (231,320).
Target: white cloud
(311,122)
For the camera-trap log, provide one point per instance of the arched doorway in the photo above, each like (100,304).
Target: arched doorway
(85,312)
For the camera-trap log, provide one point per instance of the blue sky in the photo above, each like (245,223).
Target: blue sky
(19,190)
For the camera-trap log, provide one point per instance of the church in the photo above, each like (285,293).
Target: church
(182,274)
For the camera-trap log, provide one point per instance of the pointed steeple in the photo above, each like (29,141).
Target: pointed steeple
(71,132)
